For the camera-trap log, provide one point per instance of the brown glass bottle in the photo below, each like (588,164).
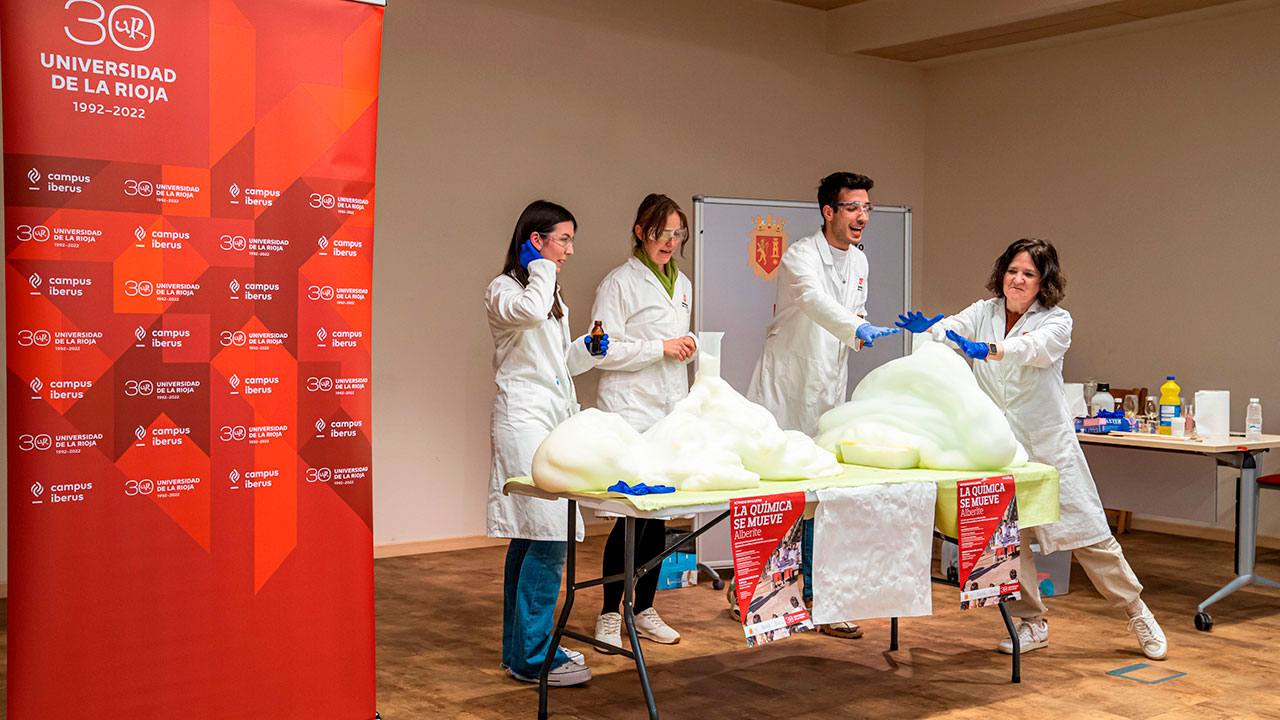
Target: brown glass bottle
(597,333)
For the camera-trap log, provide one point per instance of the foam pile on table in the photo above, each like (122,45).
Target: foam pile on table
(714,439)
(923,410)
(696,444)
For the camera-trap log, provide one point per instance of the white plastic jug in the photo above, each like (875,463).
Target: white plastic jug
(709,354)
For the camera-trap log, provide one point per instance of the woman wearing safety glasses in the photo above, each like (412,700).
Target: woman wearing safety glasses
(644,304)
(536,358)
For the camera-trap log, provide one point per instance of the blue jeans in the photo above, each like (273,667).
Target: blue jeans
(806,559)
(530,587)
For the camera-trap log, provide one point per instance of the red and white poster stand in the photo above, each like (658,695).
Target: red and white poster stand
(188,229)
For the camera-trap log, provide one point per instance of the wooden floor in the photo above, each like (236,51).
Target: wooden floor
(439,637)
(439,647)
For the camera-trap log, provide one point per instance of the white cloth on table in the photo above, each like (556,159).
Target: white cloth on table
(873,548)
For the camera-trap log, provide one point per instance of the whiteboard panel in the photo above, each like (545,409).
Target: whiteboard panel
(730,297)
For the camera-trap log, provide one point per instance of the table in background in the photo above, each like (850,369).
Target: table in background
(1122,464)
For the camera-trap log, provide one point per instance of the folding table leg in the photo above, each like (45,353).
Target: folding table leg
(1017,646)
(570,558)
(1246,539)
(628,610)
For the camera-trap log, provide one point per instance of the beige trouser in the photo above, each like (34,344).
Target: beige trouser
(1103,562)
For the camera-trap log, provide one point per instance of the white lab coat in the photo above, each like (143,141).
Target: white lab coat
(804,370)
(639,382)
(535,358)
(1027,386)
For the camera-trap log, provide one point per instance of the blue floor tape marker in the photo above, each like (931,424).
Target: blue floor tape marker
(1123,673)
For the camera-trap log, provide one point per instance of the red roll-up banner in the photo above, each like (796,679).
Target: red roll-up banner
(188,232)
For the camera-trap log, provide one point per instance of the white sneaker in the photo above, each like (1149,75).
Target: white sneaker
(1150,637)
(573,655)
(1031,636)
(609,630)
(650,626)
(563,675)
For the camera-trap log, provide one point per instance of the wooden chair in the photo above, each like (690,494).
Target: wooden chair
(1124,518)
(1119,393)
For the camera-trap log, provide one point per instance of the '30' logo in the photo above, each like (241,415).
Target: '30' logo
(128,26)
(323,200)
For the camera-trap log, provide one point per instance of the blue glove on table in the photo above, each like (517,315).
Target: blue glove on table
(1116,414)
(640,489)
(916,322)
(869,333)
(604,344)
(528,253)
(975,350)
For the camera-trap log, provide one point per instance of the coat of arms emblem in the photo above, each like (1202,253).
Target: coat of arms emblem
(768,242)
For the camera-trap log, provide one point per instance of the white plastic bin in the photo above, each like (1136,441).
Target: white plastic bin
(1054,570)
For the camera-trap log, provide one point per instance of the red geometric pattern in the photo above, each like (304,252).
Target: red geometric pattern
(189,199)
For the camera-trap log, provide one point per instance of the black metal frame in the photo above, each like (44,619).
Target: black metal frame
(629,576)
(1004,613)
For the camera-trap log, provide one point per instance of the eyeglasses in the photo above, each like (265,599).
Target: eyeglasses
(680,234)
(854,207)
(563,240)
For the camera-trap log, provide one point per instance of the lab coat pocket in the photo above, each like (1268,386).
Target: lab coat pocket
(1046,446)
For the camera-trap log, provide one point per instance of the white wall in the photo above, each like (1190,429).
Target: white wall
(487,105)
(1149,158)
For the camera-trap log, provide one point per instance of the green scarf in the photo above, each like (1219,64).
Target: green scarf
(667,277)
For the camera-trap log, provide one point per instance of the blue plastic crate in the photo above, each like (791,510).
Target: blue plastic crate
(678,570)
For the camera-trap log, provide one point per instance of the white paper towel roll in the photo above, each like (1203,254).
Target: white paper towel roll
(1213,414)
(1076,404)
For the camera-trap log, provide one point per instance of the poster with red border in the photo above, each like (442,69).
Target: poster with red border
(987,517)
(765,537)
(188,225)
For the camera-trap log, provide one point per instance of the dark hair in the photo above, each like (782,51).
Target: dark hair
(1053,284)
(652,215)
(831,185)
(540,216)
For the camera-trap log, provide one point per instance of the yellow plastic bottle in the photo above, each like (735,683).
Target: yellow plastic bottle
(1170,405)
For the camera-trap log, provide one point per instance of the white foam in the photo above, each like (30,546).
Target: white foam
(588,452)
(714,439)
(928,401)
(708,364)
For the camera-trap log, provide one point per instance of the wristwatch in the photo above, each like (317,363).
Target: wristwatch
(991,351)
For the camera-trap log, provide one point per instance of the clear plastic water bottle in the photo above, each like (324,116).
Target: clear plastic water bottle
(1253,421)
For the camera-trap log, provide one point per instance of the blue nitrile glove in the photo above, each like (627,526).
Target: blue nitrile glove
(528,253)
(916,322)
(975,350)
(1116,414)
(604,344)
(640,489)
(869,333)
